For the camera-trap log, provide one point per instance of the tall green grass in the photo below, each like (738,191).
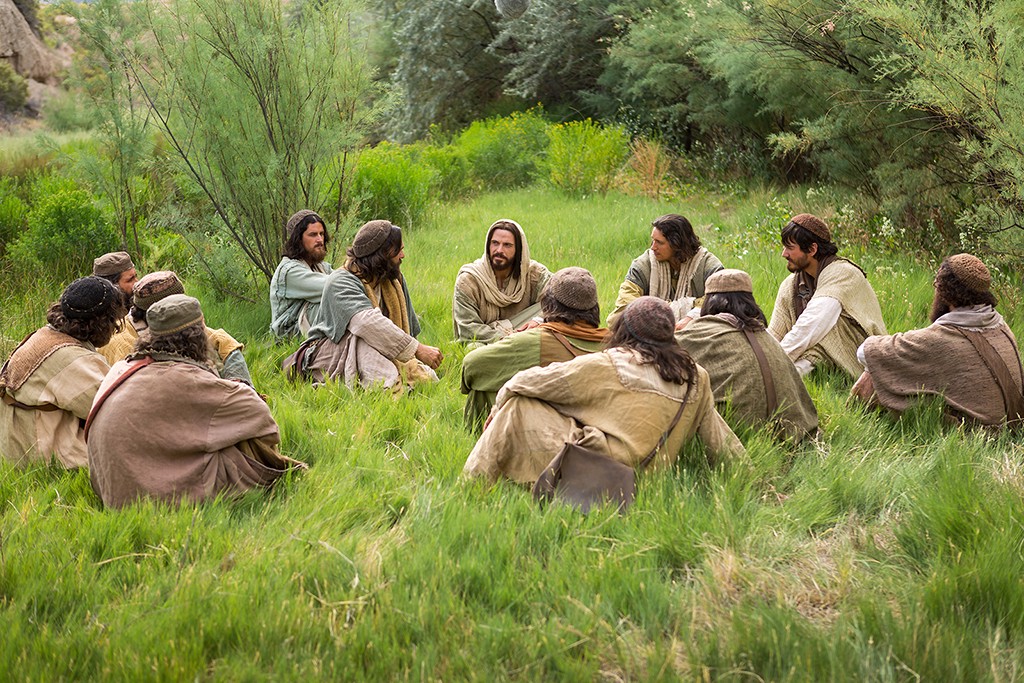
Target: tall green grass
(889,551)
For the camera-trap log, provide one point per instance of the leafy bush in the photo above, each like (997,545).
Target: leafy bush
(12,213)
(13,88)
(390,184)
(450,168)
(504,152)
(69,112)
(585,157)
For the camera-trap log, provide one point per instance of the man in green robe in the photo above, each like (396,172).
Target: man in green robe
(298,282)
(570,329)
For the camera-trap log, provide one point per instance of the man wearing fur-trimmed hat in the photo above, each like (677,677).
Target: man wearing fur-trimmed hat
(571,328)
(298,282)
(968,355)
(826,308)
(365,330)
(499,292)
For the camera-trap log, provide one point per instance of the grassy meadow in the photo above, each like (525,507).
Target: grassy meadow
(889,551)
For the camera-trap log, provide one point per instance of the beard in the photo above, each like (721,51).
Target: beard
(499,262)
(393,271)
(316,256)
(939,308)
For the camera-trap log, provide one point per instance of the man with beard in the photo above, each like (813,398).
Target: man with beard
(499,292)
(365,331)
(49,382)
(570,329)
(298,282)
(117,269)
(968,355)
(164,426)
(826,308)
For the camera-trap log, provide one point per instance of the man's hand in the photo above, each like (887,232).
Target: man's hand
(864,388)
(529,324)
(430,356)
(681,325)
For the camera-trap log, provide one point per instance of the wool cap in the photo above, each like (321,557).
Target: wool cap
(729,280)
(89,297)
(574,287)
(173,314)
(511,9)
(156,286)
(113,263)
(298,217)
(814,224)
(970,271)
(650,320)
(371,237)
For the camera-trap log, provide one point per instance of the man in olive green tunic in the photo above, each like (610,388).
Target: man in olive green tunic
(570,328)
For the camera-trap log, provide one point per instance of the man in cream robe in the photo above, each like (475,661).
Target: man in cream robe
(826,308)
(942,360)
(673,269)
(498,293)
(366,328)
(298,283)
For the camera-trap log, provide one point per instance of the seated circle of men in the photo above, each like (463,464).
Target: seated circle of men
(617,402)
(571,316)
(826,307)
(749,371)
(225,351)
(366,327)
(499,292)
(50,379)
(164,426)
(968,356)
(673,269)
(298,282)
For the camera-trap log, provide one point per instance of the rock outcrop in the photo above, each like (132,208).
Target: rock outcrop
(29,56)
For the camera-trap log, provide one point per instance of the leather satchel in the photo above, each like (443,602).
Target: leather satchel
(584,478)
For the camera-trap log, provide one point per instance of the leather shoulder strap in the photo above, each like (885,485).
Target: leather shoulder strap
(576,353)
(135,367)
(766,374)
(1012,398)
(664,436)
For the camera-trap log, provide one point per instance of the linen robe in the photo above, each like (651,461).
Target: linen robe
(295,293)
(683,296)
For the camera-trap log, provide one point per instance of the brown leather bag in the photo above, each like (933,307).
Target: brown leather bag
(583,478)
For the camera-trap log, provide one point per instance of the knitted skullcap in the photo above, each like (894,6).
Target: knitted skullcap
(113,263)
(574,287)
(970,271)
(371,237)
(173,314)
(89,297)
(511,9)
(298,217)
(156,286)
(650,320)
(729,280)
(813,224)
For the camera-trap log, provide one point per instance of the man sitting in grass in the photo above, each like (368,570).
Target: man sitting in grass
(498,293)
(826,308)
(117,269)
(164,426)
(968,355)
(298,282)
(570,328)
(365,331)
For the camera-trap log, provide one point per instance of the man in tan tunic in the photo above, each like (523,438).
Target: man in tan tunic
(164,426)
(617,402)
(117,269)
(722,341)
(50,380)
(498,293)
(968,355)
(826,308)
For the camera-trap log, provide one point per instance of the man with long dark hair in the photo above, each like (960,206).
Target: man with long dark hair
(826,308)
(968,355)
(617,402)
(673,269)
(49,381)
(753,385)
(298,283)
(499,292)
(365,331)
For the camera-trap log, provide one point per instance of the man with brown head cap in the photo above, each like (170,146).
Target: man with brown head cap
(49,381)
(298,283)
(117,269)
(499,292)
(618,402)
(826,307)
(365,331)
(570,328)
(968,355)
(164,426)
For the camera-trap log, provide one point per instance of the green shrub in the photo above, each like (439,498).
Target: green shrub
(451,173)
(12,213)
(69,112)
(504,152)
(585,157)
(390,184)
(13,88)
